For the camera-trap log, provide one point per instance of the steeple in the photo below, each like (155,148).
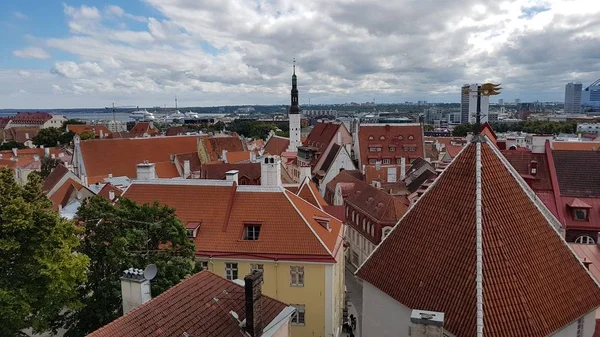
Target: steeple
(294,108)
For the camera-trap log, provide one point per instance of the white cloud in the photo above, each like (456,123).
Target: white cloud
(20,15)
(32,53)
(239,52)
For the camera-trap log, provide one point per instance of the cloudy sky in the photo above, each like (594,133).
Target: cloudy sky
(216,52)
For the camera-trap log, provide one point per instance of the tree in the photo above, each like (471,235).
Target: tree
(87,134)
(118,237)
(428,127)
(461,130)
(11,145)
(39,271)
(52,136)
(70,121)
(48,164)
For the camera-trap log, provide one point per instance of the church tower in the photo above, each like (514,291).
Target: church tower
(294,116)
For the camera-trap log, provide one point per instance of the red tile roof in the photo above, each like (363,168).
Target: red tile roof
(276,145)
(144,129)
(224,210)
(107,188)
(321,135)
(95,129)
(452,150)
(309,192)
(120,156)
(217,171)
(189,307)
(20,134)
(211,148)
(589,253)
(54,177)
(237,156)
(33,118)
(61,195)
(577,173)
(428,261)
(373,133)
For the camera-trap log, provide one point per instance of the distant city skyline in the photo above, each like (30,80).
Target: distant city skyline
(230,52)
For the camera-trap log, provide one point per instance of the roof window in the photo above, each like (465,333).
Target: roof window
(251,232)
(324,222)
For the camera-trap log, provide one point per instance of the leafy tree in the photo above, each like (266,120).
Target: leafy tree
(39,271)
(66,137)
(282,133)
(48,164)
(87,135)
(461,130)
(428,127)
(251,128)
(70,121)
(47,137)
(11,145)
(129,235)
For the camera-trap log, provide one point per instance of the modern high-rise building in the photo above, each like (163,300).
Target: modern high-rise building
(590,96)
(468,104)
(573,98)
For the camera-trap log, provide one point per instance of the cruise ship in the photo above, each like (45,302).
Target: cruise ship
(141,115)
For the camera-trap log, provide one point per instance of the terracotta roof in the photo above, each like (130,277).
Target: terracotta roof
(591,253)
(175,130)
(344,176)
(487,130)
(107,188)
(95,129)
(276,145)
(431,152)
(120,156)
(578,203)
(576,146)
(391,134)
(195,164)
(166,169)
(577,173)
(189,307)
(218,170)
(521,161)
(61,195)
(33,118)
(211,148)
(237,156)
(309,192)
(429,260)
(224,210)
(381,206)
(4,122)
(321,135)
(144,128)
(54,177)
(20,134)
(452,150)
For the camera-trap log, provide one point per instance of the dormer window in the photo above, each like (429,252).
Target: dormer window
(580,209)
(251,232)
(392,149)
(324,222)
(580,214)
(192,229)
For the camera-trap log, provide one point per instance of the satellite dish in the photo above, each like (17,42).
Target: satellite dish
(150,272)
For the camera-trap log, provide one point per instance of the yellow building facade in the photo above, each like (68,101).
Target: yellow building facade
(320,295)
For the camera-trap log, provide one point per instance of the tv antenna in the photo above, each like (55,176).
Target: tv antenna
(150,272)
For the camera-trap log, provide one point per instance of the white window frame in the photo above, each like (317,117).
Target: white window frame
(585,214)
(230,270)
(204,264)
(585,239)
(251,232)
(299,316)
(297,276)
(385,232)
(580,327)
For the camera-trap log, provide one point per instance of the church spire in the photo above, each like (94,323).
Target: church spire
(294,108)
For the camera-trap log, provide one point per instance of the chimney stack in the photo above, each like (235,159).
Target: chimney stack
(232,175)
(135,289)
(339,138)
(15,151)
(402,168)
(426,324)
(224,156)
(253,292)
(146,171)
(47,152)
(36,157)
(270,171)
(186,169)
(111,195)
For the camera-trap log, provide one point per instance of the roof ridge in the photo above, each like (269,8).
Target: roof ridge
(478,239)
(305,221)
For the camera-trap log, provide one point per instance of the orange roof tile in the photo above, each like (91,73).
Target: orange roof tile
(237,156)
(212,147)
(107,188)
(120,156)
(224,210)
(141,129)
(54,177)
(60,196)
(395,135)
(576,146)
(189,308)
(276,145)
(166,169)
(309,192)
(453,150)
(95,129)
(428,261)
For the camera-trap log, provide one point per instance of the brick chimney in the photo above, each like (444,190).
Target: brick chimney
(426,324)
(135,289)
(253,294)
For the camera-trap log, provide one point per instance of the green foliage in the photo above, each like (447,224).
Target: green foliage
(538,127)
(129,235)
(39,271)
(48,164)
(462,130)
(282,133)
(251,128)
(427,127)
(70,121)
(11,145)
(87,135)
(52,136)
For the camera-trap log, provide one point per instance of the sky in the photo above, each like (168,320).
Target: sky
(94,53)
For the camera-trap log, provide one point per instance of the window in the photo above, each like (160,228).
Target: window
(382,137)
(298,316)
(374,149)
(400,137)
(411,137)
(386,231)
(387,161)
(260,267)
(585,239)
(580,327)
(251,232)
(364,225)
(410,148)
(398,161)
(231,271)
(203,264)
(371,137)
(580,214)
(372,161)
(392,149)
(297,276)
(190,233)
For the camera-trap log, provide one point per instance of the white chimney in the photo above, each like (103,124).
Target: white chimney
(186,169)
(47,152)
(252,156)
(111,195)
(27,135)
(339,138)
(224,156)
(36,157)
(135,289)
(270,171)
(146,171)
(53,156)
(101,134)
(60,155)
(402,168)
(426,324)
(305,171)
(84,180)
(232,175)
(15,151)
